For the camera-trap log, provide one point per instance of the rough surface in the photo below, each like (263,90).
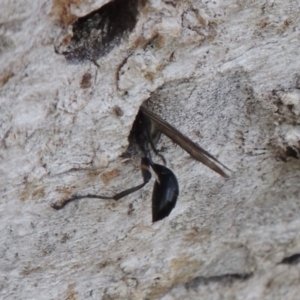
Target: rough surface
(226,73)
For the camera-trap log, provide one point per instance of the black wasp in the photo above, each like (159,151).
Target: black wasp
(145,132)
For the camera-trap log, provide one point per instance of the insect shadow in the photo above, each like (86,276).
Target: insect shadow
(146,131)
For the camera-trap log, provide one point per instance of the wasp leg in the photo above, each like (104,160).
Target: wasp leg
(157,152)
(153,136)
(145,164)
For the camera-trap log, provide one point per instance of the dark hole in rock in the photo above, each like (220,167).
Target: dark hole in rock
(291,260)
(291,152)
(97,33)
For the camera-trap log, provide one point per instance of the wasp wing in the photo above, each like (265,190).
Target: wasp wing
(184,142)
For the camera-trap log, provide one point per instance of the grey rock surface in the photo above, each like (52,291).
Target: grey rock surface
(226,74)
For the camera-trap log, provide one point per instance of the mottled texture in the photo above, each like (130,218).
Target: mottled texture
(97,33)
(225,73)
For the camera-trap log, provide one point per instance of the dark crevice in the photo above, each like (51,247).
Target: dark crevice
(291,152)
(99,32)
(226,280)
(291,260)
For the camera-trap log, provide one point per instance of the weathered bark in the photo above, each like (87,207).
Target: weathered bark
(226,74)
